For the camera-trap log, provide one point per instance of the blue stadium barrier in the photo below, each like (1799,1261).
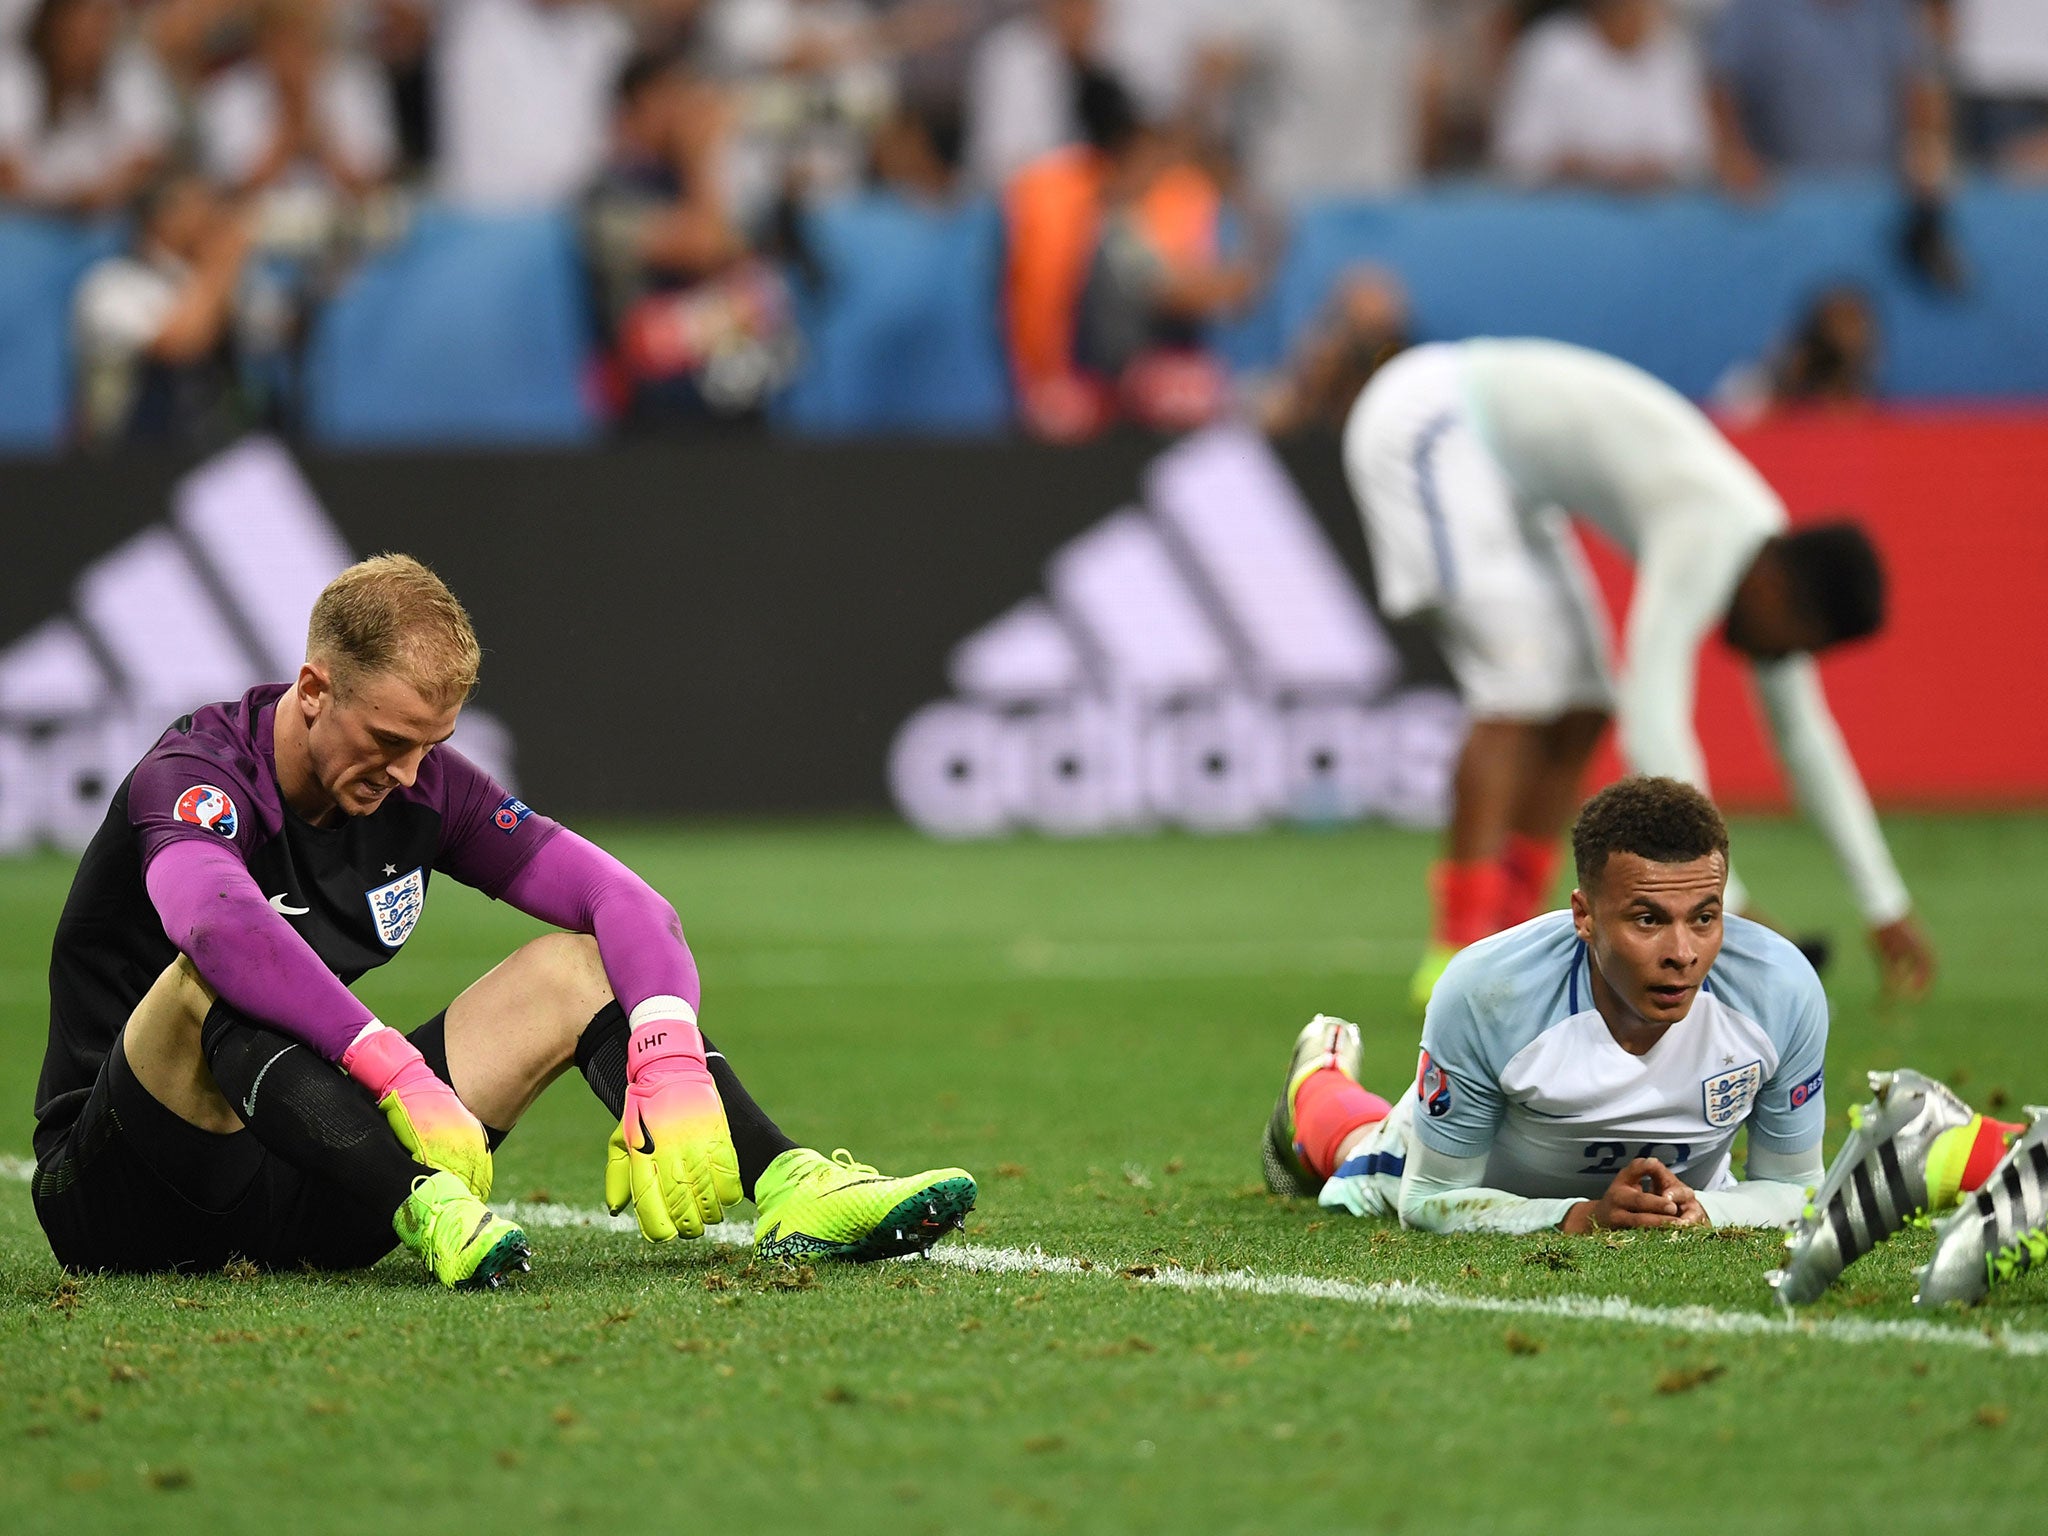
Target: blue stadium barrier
(1685,286)
(903,333)
(474,329)
(40,263)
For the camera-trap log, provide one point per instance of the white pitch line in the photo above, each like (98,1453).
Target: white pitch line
(1385,1295)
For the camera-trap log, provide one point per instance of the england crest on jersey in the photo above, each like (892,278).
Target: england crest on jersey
(396,907)
(1729,1094)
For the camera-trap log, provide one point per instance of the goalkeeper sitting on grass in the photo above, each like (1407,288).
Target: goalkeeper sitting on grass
(1589,1068)
(213,1089)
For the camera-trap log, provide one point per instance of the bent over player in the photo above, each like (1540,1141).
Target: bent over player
(213,1089)
(1589,1068)
(1465,460)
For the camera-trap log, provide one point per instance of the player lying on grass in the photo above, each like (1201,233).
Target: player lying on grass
(1913,1152)
(1466,460)
(1588,1068)
(213,1089)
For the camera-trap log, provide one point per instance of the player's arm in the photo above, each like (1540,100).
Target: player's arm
(1772,1192)
(1441,1192)
(256,962)
(672,1156)
(1668,619)
(1458,1112)
(1831,791)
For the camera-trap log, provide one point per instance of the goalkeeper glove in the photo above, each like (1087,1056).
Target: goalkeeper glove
(435,1126)
(672,1156)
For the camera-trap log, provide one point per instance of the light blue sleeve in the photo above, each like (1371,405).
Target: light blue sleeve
(1791,1111)
(1458,1103)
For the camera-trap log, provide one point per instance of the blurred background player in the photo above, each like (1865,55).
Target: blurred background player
(1467,460)
(204,1043)
(1591,1068)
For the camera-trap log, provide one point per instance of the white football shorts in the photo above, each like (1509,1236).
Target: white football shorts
(1514,607)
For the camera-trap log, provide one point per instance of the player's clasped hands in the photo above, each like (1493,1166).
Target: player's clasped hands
(1643,1194)
(672,1156)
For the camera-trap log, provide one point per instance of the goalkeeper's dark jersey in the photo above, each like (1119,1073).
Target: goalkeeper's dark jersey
(353,891)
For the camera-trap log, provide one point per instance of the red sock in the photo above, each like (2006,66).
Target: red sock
(1993,1137)
(1328,1106)
(1528,866)
(1468,900)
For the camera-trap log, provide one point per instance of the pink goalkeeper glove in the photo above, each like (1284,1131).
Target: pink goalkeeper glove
(436,1126)
(672,1156)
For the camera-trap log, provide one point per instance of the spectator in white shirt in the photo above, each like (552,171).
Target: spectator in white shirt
(1022,88)
(1999,50)
(298,112)
(1326,95)
(1608,96)
(85,115)
(154,326)
(523,98)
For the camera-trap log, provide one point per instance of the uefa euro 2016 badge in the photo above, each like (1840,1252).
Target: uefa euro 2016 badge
(1728,1095)
(396,907)
(208,806)
(1433,1087)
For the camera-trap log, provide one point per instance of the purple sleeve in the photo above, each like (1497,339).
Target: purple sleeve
(572,883)
(254,959)
(487,835)
(178,797)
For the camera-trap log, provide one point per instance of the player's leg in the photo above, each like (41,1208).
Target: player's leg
(355,1181)
(550,1005)
(1444,534)
(1321,1103)
(2002,1232)
(1554,782)
(1912,1151)
(245,1141)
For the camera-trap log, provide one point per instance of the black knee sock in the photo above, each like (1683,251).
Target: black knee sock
(306,1111)
(601,1057)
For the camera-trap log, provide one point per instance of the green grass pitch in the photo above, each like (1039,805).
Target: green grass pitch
(1096,1031)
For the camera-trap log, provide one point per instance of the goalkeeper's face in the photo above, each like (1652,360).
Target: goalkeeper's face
(1653,931)
(370,739)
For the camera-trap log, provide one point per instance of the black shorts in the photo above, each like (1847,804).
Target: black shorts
(132,1187)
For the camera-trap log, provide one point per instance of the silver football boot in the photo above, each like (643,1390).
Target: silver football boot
(1876,1184)
(1323,1042)
(1999,1232)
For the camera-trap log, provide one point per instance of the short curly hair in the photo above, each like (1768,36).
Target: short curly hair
(1664,820)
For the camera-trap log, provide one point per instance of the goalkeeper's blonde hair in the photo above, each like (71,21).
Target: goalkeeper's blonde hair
(391,614)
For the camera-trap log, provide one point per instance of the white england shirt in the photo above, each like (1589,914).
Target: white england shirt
(1574,428)
(1518,1066)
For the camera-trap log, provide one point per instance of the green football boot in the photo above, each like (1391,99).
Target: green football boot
(817,1207)
(1435,960)
(1323,1042)
(468,1246)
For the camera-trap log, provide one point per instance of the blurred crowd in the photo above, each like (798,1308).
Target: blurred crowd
(1143,153)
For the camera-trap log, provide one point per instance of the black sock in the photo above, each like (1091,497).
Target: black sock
(306,1111)
(601,1057)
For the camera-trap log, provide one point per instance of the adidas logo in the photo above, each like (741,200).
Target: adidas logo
(1204,661)
(201,607)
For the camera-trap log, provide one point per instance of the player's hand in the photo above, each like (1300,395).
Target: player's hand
(1663,1181)
(1627,1204)
(672,1156)
(436,1126)
(1905,958)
